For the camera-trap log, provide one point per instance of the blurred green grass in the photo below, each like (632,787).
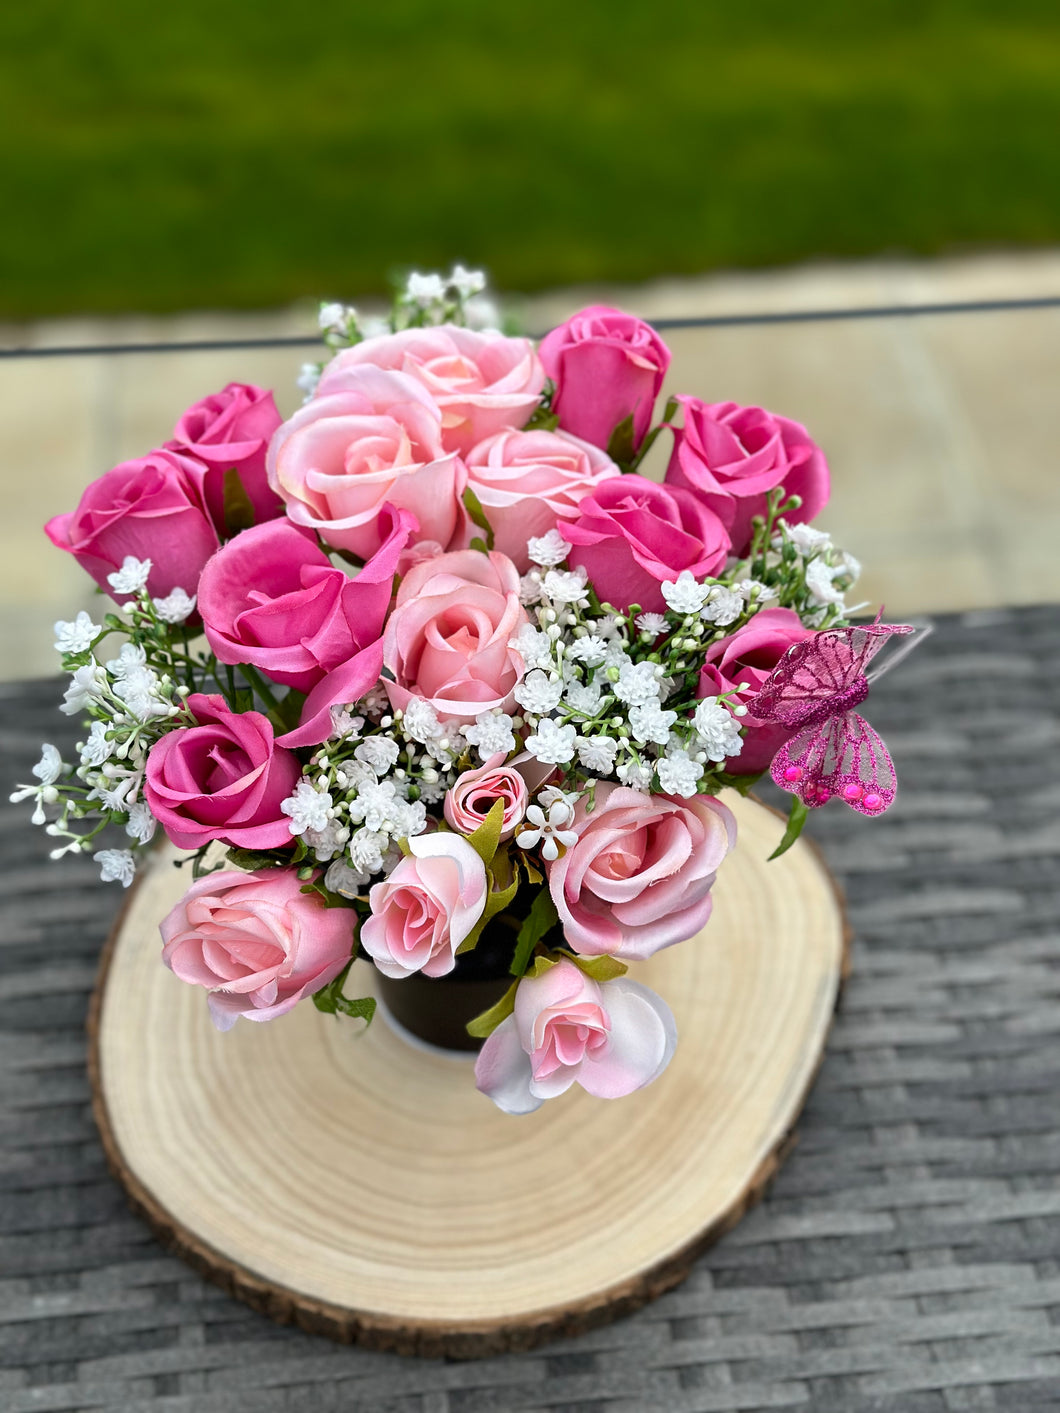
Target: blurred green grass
(205,155)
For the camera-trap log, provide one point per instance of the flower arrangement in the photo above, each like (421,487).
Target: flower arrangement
(431,664)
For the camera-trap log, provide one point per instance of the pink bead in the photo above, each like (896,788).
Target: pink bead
(823,795)
(794,772)
(873,802)
(852,792)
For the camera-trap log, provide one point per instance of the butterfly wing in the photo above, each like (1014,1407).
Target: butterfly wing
(819,669)
(841,758)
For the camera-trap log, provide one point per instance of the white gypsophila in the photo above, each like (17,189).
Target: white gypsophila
(684,595)
(425,289)
(47,770)
(637,683)
(678,773)
(549,829)
(539,693)
(87,686)
(754,589)
(343,880)
(530,589)
(307,808)
(138,689)
(492,732)
(131,660)
(533,646)
(819,582)
(654,624)
(375,702)
(548,550)
(131,577)
(141,823)
(431,791)
(566,586)
(116,796)
(805,538)
(175,607)
(597,754)
(651,723)
(354,775)
(592,650)
(420,721)
(344,725)
(467,282)
(583,697)
(635,775)
(308,378)
(482,313)
(723,607)
(616,655)
(407,818)
(374,805)
(552,744)
(549,794)
(115,866)
(379,752)
(96,749)
(365,851)
(75,637)
(717,729)
(50,766)
(326,842)
(852,569)
(332,317)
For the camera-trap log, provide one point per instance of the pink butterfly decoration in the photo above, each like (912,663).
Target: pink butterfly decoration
(814,690)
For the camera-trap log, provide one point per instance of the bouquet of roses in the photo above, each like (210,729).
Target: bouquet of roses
(431,662)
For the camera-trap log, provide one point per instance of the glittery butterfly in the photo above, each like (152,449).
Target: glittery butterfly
(813,691)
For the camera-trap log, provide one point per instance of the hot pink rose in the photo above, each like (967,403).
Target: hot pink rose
(481,382)
(426,907)
(231,430)
(640,875)
(447,637)
(606,366)
(341,458)
(223,778)
(256,942)
(610,1037)
(631,534)
(151,508)
(731,456)
(528,481)
(750,655)
(476,792)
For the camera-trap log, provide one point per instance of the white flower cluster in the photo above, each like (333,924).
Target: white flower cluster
(820,574)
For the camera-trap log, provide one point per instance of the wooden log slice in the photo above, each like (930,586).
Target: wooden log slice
(361,1187)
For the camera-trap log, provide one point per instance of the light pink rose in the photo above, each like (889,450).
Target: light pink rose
(528,481)
(447,637)
(426,907)
(631,535)
(152,508)
(606,366)
(341,458)
(470,800)
(610,1037)
(256,942)
(750,655)
(231,430)
(223,778)
(481,382)
(731,456)
(639,877)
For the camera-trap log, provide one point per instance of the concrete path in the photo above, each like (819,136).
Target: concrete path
(940,430)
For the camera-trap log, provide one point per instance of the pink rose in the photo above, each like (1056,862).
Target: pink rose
(272,598)
(223,778)
(606,366)
(482,382)
(151,508)
(426,907)
(610,1037)
(256,942)
(231,430)
(476,791)
(750,655)
(640,875)
(527,481)
(631,534)
(447,637)
(731,456)
(341,458)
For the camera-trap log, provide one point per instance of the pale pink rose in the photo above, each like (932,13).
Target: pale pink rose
(231,430)
(476,792)
(606,366)
(481,382)
(639,877)
(426,907)
(256,942)
(610,1037)
(341,458)
(447,638)
(730,456)
(529,481)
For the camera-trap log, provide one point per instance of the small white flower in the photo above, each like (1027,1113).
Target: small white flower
(819,577)
(141,823)
(85,688)
(375,702)
(467,282)
(425,289)
(551,829)
(547,550)
(852,569)
(431,791)
(482,313)
(592,650)
(583,697)
(597,754)
(566,586)
(175,607)
(420,721)
(492,732)
(717,729)
(345,881)
(683,595)
(374,805)
(116,796)
(380,752)
(49,767)
(332,317)
(97,748)
(533,646)
(550,794)
(326,842)
(308,378)
(307,808)
(115,866)
(138,689)
(651,723)
(538,693)
(637,683)
(131,577)
(130,661)
(654,624)
(723,607)
(754,589)
(805,538)
(365,851)
(553,744)
(679,774)
(75,637)
(344,724)
(616,655)
(635,775)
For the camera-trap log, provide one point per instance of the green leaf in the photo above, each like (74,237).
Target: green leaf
(289,710)
(540,920)
(497,899)
(487,836)
(326,896)
(598,968)
(238,510)
(743,784)
(796,819)
(620,447)
(488,1021)
(332,1002)
(479,544)
(478,516)
(252,859)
